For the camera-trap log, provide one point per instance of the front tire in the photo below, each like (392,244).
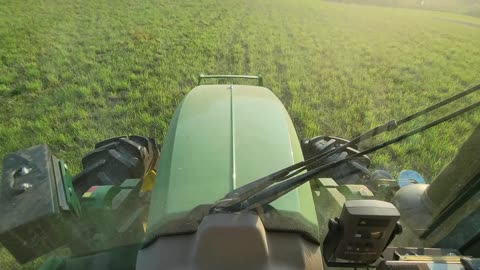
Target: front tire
(116,159)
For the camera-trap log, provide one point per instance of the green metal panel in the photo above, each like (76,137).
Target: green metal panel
(355,192)
(222,137)
(70,194)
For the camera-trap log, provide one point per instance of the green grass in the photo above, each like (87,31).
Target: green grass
(76,72)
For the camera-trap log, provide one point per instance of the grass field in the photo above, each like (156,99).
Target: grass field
(76,72)
(468,7)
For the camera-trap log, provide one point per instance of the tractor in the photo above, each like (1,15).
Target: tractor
(233,187)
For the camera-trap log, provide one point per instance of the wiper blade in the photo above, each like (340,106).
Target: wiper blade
(439,104)
(391,125)
(276,191)
(244,192)
(234,200)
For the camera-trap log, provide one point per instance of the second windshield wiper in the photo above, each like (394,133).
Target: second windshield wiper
(275,185)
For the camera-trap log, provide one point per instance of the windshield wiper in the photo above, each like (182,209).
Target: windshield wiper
(275,185)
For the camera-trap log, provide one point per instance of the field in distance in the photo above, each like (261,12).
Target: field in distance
(468,7)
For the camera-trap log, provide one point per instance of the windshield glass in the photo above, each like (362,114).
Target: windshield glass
(75,73)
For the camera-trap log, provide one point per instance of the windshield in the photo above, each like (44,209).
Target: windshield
(74,73)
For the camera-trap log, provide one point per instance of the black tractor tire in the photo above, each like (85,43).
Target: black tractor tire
(116,159)
(352,172)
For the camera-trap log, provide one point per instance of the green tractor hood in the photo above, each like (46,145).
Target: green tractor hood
(222,137)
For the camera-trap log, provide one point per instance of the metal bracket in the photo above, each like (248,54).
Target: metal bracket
(71,196)
(259,78)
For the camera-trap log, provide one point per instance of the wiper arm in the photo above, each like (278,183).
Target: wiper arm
(276,191)
(391,125)
(244,192)
(242,197)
